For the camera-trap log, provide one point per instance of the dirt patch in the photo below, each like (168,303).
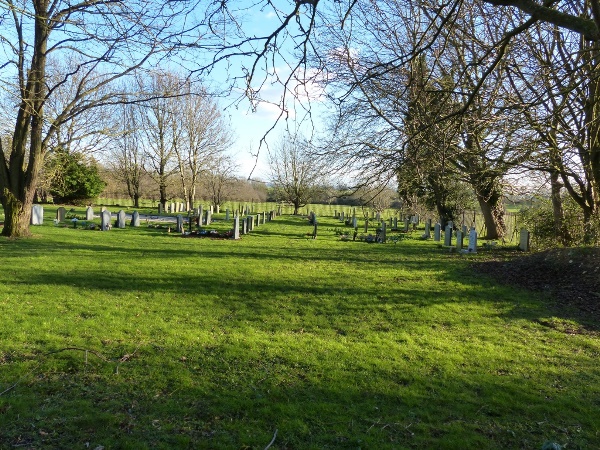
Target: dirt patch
(570,275)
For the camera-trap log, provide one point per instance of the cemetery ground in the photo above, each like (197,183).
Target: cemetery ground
(138,338)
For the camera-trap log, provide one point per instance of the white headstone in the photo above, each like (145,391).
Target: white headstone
(472,241)
(105,220)
(89,213)
(236,227)
(37,215)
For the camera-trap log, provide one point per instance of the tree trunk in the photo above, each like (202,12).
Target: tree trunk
(560,228)
(17,214)
(492,209)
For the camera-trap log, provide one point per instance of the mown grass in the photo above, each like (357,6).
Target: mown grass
(137,338)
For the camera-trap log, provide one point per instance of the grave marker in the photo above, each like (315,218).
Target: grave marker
(459,240)
(89,213)
(448,236)
(105,220)
(135,219)
(179,223)
(437,231)
(37,215)
(61,213)
(472,241)
(120,219)
(236,226)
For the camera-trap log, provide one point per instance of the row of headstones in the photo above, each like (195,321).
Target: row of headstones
(414,219)
(461,234)
(176,207)
(249,222)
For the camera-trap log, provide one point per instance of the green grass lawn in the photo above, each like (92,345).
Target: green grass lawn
(139,338)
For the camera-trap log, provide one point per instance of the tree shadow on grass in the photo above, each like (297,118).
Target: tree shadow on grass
(216,397)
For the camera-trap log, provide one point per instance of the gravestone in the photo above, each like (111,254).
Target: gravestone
(211,209)
(218,209)
(406,224)
(120,219)
(355,222)
(61,213)
(200,216)
(383,236)
(208,217)
(342,217)
(524,240)
(279,211)
(264,214)
(395,223)
(472,241)
(448,236)
(245,225)
(236,227)
(105,220)
(179,223)
(427,234)
(89,213)
(181,207)
(37,215)
(459,240)
(227,216)
(257,220)
(335,214)
(437,231)
(366,225)
(135,219)
(250,223)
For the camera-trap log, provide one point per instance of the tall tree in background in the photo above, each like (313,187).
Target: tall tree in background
(128,157)
(104,39)
(296,173)
(202,140)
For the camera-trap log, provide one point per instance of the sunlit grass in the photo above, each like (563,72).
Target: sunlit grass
(139,338)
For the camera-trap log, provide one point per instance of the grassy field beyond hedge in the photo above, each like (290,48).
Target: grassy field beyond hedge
(142,339)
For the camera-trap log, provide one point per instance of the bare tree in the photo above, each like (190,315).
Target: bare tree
(297,174)
(110,40)
(128,161)
(203,137)
(220,178)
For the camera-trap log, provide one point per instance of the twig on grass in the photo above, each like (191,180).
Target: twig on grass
(64,349)
(272,440)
